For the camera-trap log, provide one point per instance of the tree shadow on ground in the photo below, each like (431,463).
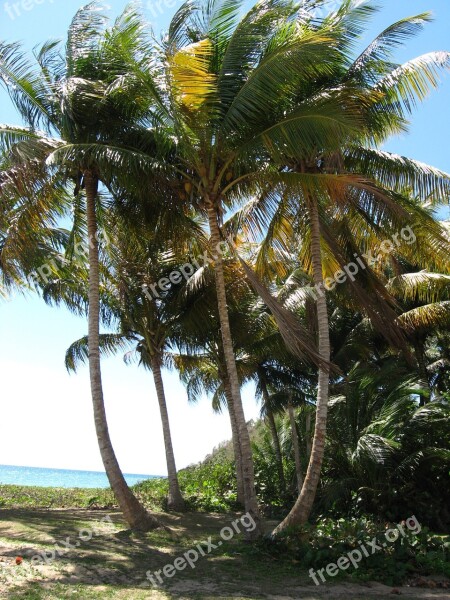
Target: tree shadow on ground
(114,563)
(119,559)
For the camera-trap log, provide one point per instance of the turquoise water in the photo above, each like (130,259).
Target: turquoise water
(60,477)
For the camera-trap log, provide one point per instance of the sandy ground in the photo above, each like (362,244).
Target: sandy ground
(113,564)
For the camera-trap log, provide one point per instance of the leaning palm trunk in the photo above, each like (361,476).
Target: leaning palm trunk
(308,433)
(302,508)
(251,504)
(175,500)
(296,448)
(236,444)
(134,513)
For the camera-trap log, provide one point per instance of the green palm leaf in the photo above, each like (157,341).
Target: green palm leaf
(110,344)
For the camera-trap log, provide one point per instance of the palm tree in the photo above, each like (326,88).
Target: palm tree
(140,341)
(200,359)
(425,310)
(130,263)
(30,241)
(269,415)
(150,319)
(438,347)
(338,198)
(295,445)
(230,83)
(77,119)
(383,449)
(206,373)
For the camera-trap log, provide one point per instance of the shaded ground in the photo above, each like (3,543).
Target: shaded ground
(113,564)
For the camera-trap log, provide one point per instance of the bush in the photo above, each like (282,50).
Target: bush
(209,486)
(392,563)
(153,493)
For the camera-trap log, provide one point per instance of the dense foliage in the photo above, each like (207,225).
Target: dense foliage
(253,139)
(417,554)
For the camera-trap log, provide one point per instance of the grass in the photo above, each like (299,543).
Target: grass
(19,496)
(152,493)
(113,563)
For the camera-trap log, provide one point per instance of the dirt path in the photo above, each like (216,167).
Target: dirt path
(96,557)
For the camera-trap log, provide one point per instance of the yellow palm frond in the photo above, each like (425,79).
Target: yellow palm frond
(189,71)
(428,317)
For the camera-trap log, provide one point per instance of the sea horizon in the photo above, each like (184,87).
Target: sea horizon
(62,478)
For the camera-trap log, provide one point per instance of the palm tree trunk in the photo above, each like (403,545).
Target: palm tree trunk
(175,500)
(302,508)
(420,357)
(273,430)
(277,448)
(236,444)
(251,504)
(308,432)
(296,448)
(134,513)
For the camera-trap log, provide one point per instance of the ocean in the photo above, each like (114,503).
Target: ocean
(64,478)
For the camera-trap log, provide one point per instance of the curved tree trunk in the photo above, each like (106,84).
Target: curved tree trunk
(274,433)
(251,504)
(134,513)
(236,444)
(302,508)
(308,432)
(175,500)
(296,448)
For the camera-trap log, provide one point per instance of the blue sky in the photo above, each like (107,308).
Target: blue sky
(46,415)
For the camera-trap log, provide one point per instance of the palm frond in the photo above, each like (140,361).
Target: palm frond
(26,86)
(110,344)
(380,50)
(427,317)
(424,287)
(413,81)
(192,81)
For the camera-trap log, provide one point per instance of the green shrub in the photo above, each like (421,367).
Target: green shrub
(12,496)
(316,546)
(211,485)
(208,486)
